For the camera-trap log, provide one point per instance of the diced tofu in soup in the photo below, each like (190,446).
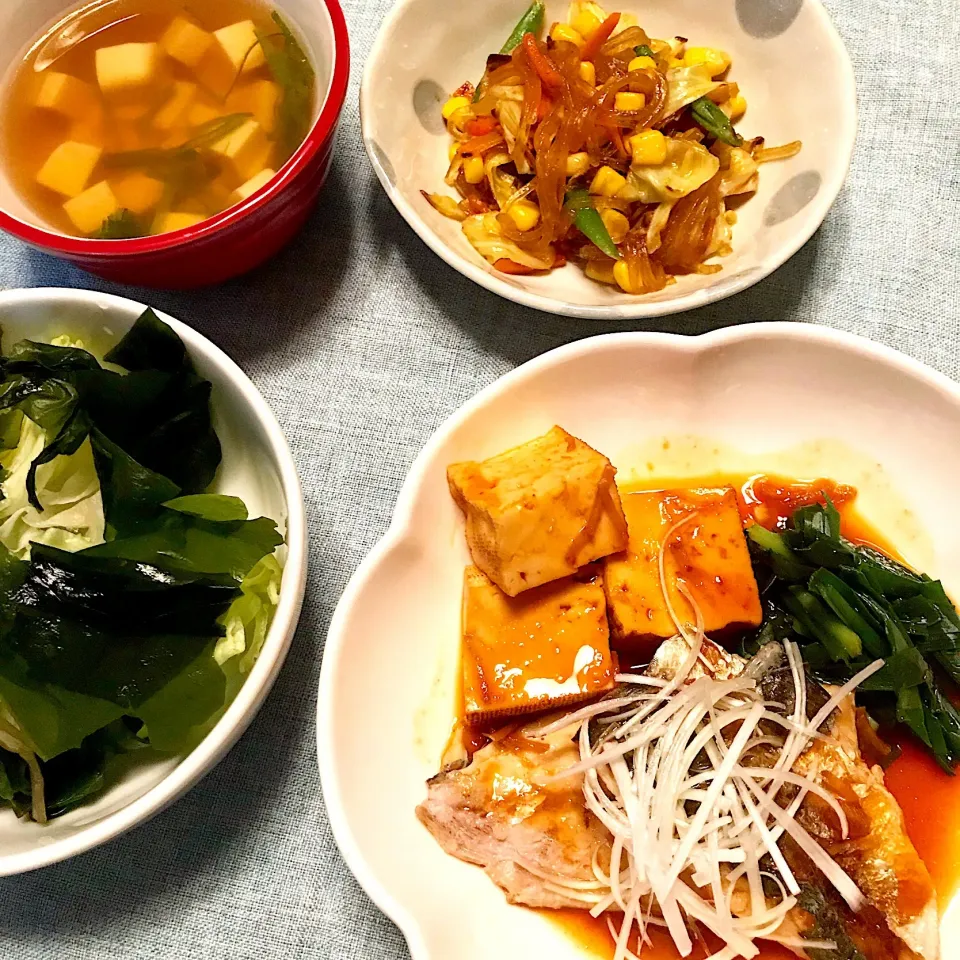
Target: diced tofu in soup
(239,43)
(92,207)
(248,189)
(540,511)
(186,42)
(245,151)
(66,95)
(176,220)
(138,193)
(708,554)
(69,167)
(172,112)
(547,647)
(127,68)
(260,98)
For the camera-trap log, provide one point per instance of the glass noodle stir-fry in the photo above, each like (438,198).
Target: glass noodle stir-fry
(600,145)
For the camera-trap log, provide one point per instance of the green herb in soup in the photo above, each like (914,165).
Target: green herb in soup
(148,116)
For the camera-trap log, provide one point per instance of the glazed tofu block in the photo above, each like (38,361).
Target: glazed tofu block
(548,647)
(708,554)
(540,511)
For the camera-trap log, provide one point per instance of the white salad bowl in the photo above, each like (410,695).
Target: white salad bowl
(257,467)
(793,400)
(423,53)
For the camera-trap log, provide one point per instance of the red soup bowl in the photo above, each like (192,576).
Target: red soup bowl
(240,238)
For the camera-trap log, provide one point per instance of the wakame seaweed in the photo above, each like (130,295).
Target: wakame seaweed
(849,605)
(110,648)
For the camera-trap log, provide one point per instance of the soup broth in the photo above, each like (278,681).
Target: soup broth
(138,117)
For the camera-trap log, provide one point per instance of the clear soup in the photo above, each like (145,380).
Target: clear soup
(137,117)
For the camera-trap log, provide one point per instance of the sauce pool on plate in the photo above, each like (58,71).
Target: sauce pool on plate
(139,117)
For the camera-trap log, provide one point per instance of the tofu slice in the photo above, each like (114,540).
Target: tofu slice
(138,193)
(186,42)
(69,168)
(173,220)
(245,151)
(248,189)
(173,111)
(92,207)
(546,648)
(127,68)
(201,113)
(709,553)
(67,95)
(260,98)
(540,511)
(239,43)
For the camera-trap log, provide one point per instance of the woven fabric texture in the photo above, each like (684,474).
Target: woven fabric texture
(363,342)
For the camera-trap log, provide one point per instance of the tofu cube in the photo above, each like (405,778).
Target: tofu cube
(173,111)
(245,151)
(239,42)
(180,220)
(215,72)
(138,193)
(540,511)
(69,168)
(248,189)
(544,649)
(127,68)
(708,553)
(66,95)
(186,42)
(90,129)
(261,98)
(92,207)
(129,112)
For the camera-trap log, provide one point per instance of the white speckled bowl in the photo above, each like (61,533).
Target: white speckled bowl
(792,399)
(422,53)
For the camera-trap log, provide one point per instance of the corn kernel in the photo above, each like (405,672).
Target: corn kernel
(586,23)
(563,31)
(588,73)
(600,270)
(616,223)
(452,152)
(629,102)
(524,214)
(473,171)
(453,105)
(735,107)
(641,63)
(621,273)
(607,182)
(715,60)
(578,164)
(648,147)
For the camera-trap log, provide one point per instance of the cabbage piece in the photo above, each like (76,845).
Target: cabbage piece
(510,115)
(657,222)
(502,185)
(69,489)
(250,615)
(688,166)
(738,170)
(686,84)
(486,237)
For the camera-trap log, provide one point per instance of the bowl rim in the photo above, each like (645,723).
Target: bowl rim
(321,131)
(239,714)
(401,527)
(640,309)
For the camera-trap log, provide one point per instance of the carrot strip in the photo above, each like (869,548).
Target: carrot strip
(480,126)
(511,266)
(543,107)
(599,37)
(549,75)
(480,144)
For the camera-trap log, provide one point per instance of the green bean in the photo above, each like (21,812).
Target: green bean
(588,221)
(709,116)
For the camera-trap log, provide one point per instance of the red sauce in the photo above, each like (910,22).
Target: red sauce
(929,798)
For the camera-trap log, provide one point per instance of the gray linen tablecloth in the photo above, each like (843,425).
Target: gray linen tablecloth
(363,342)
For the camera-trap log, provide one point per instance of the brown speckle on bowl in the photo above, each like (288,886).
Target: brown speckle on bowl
(766,19)
(383,162)
(428,99)
(792,197)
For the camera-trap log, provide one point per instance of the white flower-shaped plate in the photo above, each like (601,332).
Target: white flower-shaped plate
(782,398)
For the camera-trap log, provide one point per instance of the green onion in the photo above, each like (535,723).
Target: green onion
(709,116)
(588,221)
(530,22)
(644,51)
